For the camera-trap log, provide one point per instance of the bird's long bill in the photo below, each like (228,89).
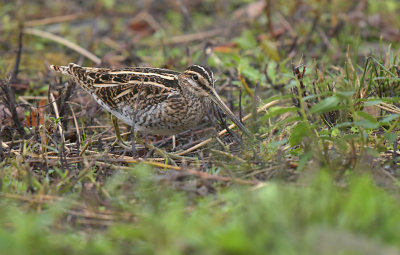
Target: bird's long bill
(218,101)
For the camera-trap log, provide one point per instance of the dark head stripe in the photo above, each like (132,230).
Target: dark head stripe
(203,71)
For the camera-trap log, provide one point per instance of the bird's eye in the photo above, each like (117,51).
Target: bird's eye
(195,77)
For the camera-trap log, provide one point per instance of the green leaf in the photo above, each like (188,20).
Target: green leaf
(368,122)
(270,49)
(391,137)
(274,111)
(366,116)
(108,4)
(335,132)
(251,73)
(389,118)
(247,40)
(343,124)
(345,93)
(299,131)
(326,105)
(291,84)
(271,71)
(373,102)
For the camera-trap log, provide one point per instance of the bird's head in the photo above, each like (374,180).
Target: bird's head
(199,81)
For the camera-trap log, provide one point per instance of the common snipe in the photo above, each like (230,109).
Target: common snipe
(152,100)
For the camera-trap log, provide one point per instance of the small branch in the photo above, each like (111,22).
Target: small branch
(202,175)
(12,105)
(65,42)
(78,133)
(187,38)
(57,19)
(18,57)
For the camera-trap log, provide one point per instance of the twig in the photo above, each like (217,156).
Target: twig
(64,97)
(57,117)
(100,160)
(78,133)
(186,15)
(202,175)
(88,142)
(145,16)
(240,106)
(48,21)
(12,105)
(182,39)
(94,153)
(286,24)
(1,143)
(65,42)
(267,11)
(228,155)
(389,107)
(164,153)
(18,57)
(100,216)
(57,19)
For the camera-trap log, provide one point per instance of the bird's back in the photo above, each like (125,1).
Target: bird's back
(141,85)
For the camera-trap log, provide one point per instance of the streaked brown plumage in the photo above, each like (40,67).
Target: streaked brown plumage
(152,100)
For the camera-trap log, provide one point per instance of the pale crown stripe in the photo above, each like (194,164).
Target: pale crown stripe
(205,71)
(193,72)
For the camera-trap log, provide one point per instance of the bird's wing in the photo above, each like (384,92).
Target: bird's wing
(141,85)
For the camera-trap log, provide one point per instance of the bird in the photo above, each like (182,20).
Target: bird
(152,100)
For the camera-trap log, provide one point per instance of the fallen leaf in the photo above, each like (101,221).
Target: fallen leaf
(6,118)
(250,11)
(226,48)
